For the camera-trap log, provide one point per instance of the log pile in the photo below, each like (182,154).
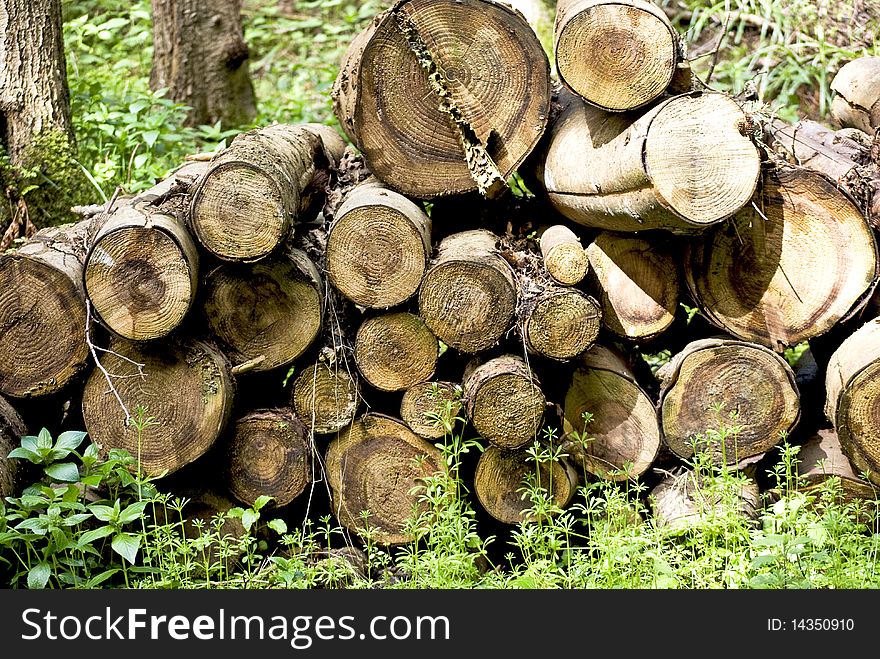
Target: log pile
(501,242)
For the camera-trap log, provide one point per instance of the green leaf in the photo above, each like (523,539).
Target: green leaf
(73,520)
(113,24)
(89,537)
(101,578)
(37,525)
(103,513)
(38,575)
(132,512)
(94,480)
(248,518)
(25,454)
(278,525)
(44,439)
(126,545)
(261,501)
(66,472)
(29,442)
(70,440)
(150,137)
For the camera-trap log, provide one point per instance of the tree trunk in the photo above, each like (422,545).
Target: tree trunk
(683,165)
(186,386)
(269,455)
(247,203)
(616,54)
(622,439)
(504,401)
(564,257)
(821,457)
(271,309)
(200,56)
(12,429)
(414,94)
(788,268)
(43,313)
(34,99)
(715,386)
(326,396)
(468,295)
(378,247)
(684,501)
(852,404)
(394,351)
(501,475)
(373,469)
(142,268)
(425,407)
(638,284)
(856,88)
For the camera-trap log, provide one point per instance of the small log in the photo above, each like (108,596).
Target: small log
(374,468)
(326,396)
(414,96)
(43,313)
(378,247)
(684,501)
(856,87)
(500,479)
(269,455)
(423,401)
(682,166)
(638,284)
(184,385)
(12,429)
(559,323)
(468,295)
(623,438)
(504,401)
(821,457)
(142,268)
(719,384)
(271,308)
(395,350)
(564,257)
(616,54)
(255,191)
(788,268)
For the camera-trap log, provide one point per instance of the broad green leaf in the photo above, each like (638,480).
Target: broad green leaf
(70,440)
(101,578)
(94,480)
(248,518)
(132,512)
(44,439)
(126,545)
(89,537)
(73,520)
(38,576)
(113,24)
(278,525)
(103,513)
(29,442)
(150,137)
(262,501)
(36,525)
(25,454)
(63,471)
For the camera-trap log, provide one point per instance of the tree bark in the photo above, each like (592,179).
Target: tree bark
(468,295)
(200,56)
(414,95)
(504,401)
(684,501)
(326,396)
(787,269)
(12,428)
(716,385)
(501,475)
(186,386)
(269,455)
(247,203)
(43,313)
(682,166)
(565,259)
(271,309)
(373,468)
(424,401)
(856,88)
(638,284)
(378,247)
(142,268)
(623,438)
(821,457)
(632,51)
(396,350)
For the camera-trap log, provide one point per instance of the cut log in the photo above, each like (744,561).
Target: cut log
(468,295)
(12,429)
(375,468)
(185,386)
(686,501)
(378,247)
(682,166)
(269,455)
(852,389)
(326,396)
(856,88)
(616,54)
(821,457)
(415,95)
(564,257)
(789,267)
(272,308)
(501,479)
(716,385)
(638,285)
(426,406)
(395,350)
(504,401)
(258,188)
(623,438)
(141,271)
(559,323)
(43,313)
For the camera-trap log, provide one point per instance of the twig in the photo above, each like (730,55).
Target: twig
(249,365)
(721,36)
